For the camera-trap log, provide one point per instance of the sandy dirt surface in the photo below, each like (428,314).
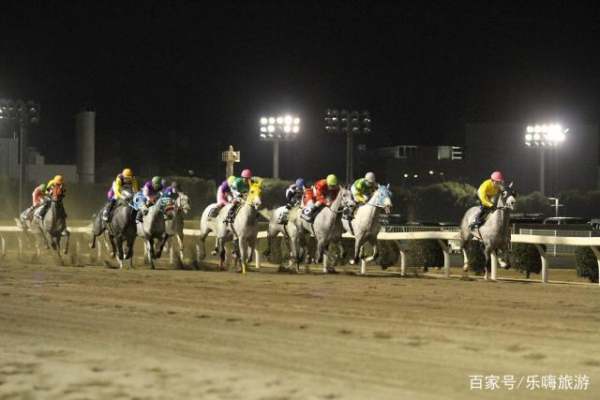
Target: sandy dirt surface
(97,333)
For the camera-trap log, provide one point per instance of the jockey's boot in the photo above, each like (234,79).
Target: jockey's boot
(108,211)
(41,211)
(230,216)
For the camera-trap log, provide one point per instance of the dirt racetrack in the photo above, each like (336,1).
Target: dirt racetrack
(98,333)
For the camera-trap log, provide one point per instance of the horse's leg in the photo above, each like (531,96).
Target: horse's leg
(162,243)
(119,250)
(487,253)
(150,248)
(179,237)
(221,251)
(243,250)
(358,243)
(373,242)
(67,235)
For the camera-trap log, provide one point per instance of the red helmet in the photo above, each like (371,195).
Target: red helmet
(497,176)
(246,173)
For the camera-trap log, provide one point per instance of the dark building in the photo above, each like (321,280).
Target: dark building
(413,165)
(571,165)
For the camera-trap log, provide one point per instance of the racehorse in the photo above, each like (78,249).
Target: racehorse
(326,227)
(54,224)
(283,221)
(243,229)
(494,233)
(174,226)
(120,229)
(152,228)
(365,225)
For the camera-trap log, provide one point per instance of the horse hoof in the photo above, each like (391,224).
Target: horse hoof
(352,262)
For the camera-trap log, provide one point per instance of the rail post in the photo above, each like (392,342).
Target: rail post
(257,258)
(494,265)
(542,251)
(446,251)
(597,254)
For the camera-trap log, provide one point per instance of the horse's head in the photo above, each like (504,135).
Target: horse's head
(167,206)
(254,193)
(126,195)
(382,198)
(508,197)
(183,203)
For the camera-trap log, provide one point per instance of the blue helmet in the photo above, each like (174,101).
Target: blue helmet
(299,183)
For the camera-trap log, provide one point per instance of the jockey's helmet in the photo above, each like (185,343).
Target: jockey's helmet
(127,173)
(156,182)
(246,173)
(43,187)
(370,177)
(300,183)
(58,179)
(332,180)
(497,176)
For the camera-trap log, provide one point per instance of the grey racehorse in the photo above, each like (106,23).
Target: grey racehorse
(120,229)
(494,233)
(52,227)
(152,230)
(288,229)
(326,228)
(174,226)
(243,230)
(365,225)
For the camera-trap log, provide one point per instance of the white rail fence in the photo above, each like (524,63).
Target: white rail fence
(442,237)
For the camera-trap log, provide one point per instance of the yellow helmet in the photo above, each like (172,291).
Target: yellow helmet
(332,180)
(127,172)
(58,179)
(231,180)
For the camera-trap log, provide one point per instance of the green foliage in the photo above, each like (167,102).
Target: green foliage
(273,192)
(526,258)
(585,263)
(424,253)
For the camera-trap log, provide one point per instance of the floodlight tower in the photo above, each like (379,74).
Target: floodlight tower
(276,129)
(542,137)
(350,123)
(23,114)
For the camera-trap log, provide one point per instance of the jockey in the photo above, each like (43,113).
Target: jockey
(324,192)
(294,193)
(362,189)
(124,181)
(152,192)
(239,187)
(55,183)
(172,191)
(485,195)
(36,199)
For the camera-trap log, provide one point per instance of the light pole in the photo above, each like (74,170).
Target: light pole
(277,129)
(543,136)
(23,113)
(350,123)
(229,157)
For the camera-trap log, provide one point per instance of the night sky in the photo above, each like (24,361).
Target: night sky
(194,78)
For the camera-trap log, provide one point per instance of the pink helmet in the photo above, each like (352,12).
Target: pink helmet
(246,173)
(497,176)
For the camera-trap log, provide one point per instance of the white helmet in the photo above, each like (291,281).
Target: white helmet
(370,177)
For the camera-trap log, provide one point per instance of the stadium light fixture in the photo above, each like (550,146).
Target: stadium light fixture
(543,136)
(278,128)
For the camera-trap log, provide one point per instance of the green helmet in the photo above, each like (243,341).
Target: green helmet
(157,182)
(332,180)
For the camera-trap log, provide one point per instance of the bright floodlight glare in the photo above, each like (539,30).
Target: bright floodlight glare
(262,135)
(430,172)
(537,128)
(415,175)
(406,175)
(536,136)
(529,137)
(530,129)
(296,129)
(280,120)
(264,121)
(271,128)
(287,129)
(297,121)
(288,119)
(271,120)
